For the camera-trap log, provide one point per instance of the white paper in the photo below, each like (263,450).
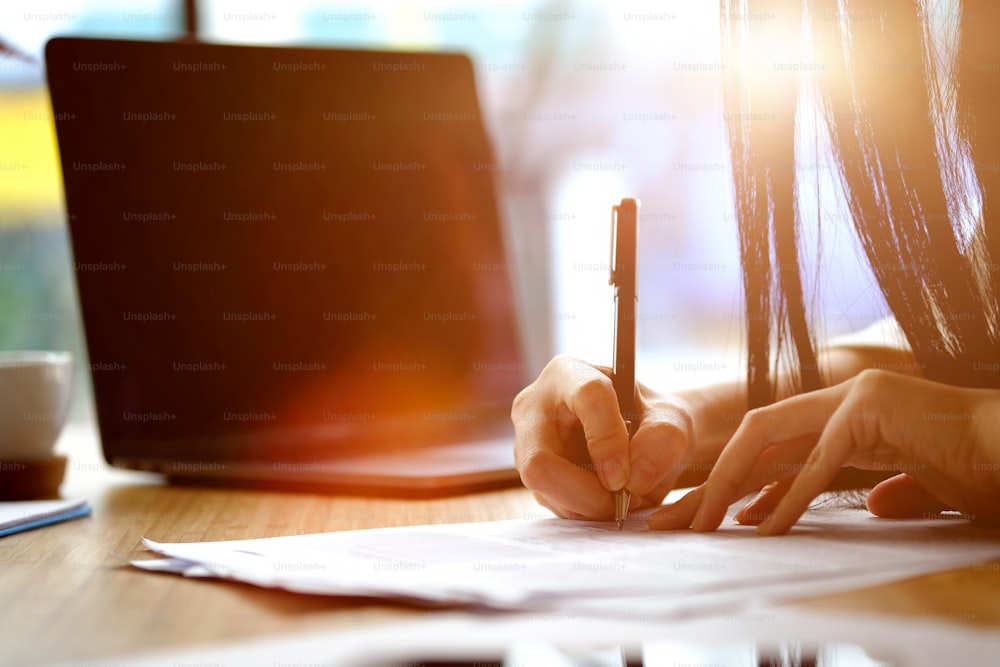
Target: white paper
(591,567)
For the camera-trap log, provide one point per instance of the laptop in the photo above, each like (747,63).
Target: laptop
(290,265)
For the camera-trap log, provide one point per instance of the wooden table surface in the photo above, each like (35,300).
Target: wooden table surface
(67,592)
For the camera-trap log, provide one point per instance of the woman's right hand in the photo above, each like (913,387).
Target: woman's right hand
(572,449)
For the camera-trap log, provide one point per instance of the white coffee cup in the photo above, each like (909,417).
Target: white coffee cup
(35,393)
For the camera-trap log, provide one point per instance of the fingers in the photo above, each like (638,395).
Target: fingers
(658,448)
(679,514)
(903,497)
(571,447)
(559,511)
(761,507)
(940,435)
(776,463)
(819,469)
(793,421)
(874,427)
(570,489)
(593,401)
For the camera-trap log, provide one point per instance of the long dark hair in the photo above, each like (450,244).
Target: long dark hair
(913,147)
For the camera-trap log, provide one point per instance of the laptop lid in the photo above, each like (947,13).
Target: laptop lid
(283,253)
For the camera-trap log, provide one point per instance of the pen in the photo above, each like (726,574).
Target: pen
(624,238)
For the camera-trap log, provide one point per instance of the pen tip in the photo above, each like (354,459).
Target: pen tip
(621,522)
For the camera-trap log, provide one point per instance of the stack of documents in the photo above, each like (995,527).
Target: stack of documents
(556,564)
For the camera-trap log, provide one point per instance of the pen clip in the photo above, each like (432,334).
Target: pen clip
(613,279)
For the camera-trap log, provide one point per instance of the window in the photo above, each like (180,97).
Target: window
(587,102)
(37,298)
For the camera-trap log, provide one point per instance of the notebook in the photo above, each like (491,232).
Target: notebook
(19,516)
(290,264)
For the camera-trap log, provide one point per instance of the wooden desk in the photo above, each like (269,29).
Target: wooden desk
(68,593)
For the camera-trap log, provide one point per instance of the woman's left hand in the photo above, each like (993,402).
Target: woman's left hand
(943,439)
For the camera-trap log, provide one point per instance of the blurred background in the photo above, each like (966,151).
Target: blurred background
(586,101)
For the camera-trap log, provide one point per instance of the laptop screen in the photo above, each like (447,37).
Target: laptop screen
(282,247)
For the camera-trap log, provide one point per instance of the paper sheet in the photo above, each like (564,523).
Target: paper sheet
(551,564)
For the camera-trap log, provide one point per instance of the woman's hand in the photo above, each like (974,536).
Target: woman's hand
(942,438)
(572,449)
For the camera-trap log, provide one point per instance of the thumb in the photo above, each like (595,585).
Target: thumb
(659,447)
(903,497)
